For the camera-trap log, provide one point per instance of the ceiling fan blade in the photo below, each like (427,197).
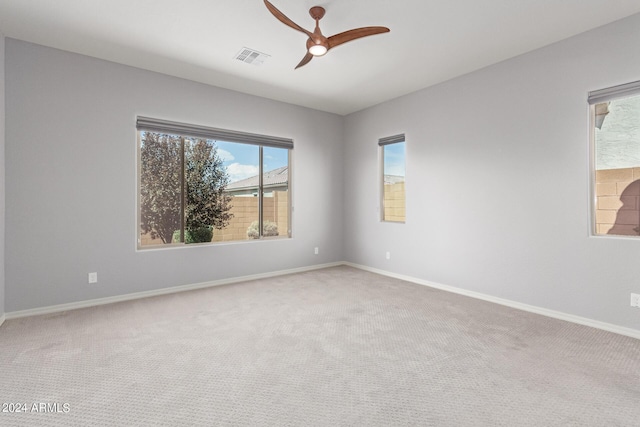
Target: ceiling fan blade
(283,18)
(308,57)
(357,33)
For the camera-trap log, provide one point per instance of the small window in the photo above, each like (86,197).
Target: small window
(615,133)
(203,185)
(392,151)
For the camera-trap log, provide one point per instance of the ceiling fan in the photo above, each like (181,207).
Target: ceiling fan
(318,44)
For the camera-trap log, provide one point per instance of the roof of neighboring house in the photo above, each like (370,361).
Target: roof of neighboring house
(393,179)
(269,179)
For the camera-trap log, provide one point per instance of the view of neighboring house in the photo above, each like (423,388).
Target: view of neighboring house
(274,180)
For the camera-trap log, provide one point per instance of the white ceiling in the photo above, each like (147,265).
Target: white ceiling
(430,41)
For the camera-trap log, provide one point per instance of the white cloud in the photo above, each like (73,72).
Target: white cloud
(225,155)
(237,171)
(394,169)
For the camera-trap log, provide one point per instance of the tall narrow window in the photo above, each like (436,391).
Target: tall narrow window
(392,151)
(202,185)
(615,131)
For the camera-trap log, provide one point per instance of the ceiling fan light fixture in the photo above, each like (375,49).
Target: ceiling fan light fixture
(317,50)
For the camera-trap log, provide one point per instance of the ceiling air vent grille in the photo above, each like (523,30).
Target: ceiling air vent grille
(251,56)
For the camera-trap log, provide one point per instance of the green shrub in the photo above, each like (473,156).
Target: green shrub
(269,229)
(197,235)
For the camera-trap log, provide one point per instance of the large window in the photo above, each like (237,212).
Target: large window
(392,155)
(203,185)
(615,134)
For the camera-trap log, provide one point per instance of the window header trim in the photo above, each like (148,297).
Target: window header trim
(164,126)
(620,91)
(391,140)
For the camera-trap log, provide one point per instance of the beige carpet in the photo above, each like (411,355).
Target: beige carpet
(331,347)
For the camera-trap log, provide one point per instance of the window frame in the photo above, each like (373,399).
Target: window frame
(382,143)
(146,124)
(594,98)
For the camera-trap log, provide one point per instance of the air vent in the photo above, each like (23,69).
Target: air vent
(251,56)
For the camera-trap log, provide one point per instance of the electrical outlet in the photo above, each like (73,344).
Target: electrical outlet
(388,255)
(316,250)
(635,300)
(93,277)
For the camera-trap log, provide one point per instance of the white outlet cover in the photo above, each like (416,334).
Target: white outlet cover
(93,277)
(635,300)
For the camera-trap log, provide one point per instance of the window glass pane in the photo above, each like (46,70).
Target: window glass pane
(393,193)
(275,182)
(160,187)
(617,161)
(241,162)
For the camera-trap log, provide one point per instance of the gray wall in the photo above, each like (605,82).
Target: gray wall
(71,179)
(2,163)
(498,181)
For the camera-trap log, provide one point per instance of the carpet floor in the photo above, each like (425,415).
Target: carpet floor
(331,347)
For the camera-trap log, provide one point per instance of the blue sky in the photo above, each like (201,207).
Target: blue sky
(394,159)
(241,160)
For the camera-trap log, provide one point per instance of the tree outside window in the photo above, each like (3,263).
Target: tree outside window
(182,183)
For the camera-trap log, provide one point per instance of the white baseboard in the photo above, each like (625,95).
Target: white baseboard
(2,319)
(145,294)
(633,333)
